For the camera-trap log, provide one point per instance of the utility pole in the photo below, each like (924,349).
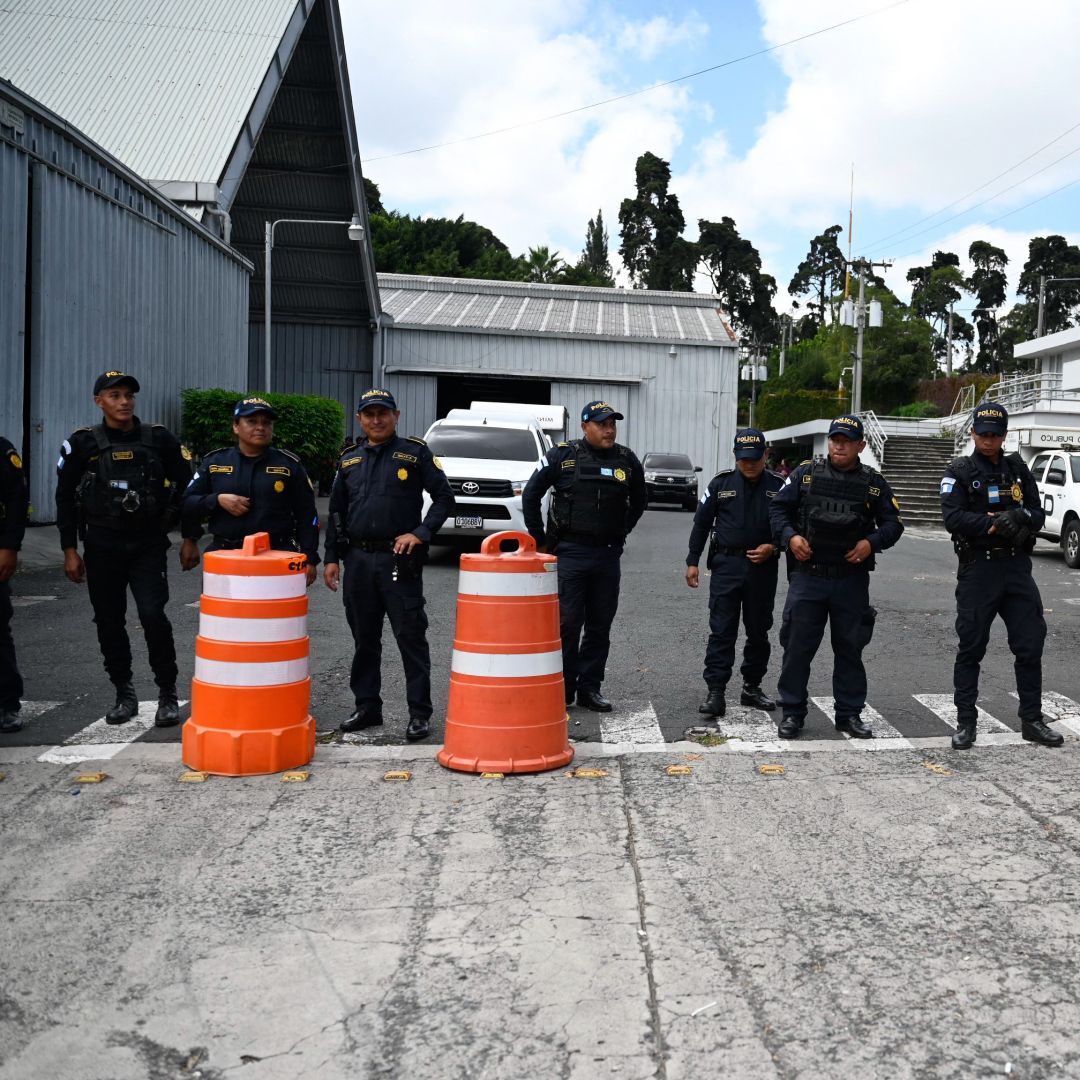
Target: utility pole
(948,351)
(785,323)
(1043,282)
(856,315)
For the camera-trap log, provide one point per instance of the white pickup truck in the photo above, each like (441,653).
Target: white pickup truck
(1057,472)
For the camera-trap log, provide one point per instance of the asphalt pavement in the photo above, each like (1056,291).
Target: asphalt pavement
(877,909)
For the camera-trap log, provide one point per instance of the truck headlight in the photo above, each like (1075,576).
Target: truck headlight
(650,476)
(518,486)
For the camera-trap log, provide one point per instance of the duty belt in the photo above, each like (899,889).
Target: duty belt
(828,570)
(372,545)
(718,550)
(975,554)
(591,540)
(230,543)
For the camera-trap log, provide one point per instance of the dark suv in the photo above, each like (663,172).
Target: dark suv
(671,478)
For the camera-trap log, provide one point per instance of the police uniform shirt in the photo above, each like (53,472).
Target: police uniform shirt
(997,482)
(79,454)
(378,493)
(282,499)
(881,503)
(14,498)
(737,510)
(557,473)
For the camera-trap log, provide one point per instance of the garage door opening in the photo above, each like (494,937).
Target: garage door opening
(460,391)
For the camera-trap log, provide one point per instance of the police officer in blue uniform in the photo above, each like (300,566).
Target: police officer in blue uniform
(991,505)
(734,515)
(14,501)
(119,487)
(598,496)
(832,517)
(374,527)
(251,487)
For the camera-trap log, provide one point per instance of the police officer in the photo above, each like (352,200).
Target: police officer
(832,517)
(599,495)
(251,487)
(374,526)
(119,486)
(990,504)
(14,502)
(743,561)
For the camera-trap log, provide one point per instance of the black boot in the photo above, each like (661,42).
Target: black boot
(754,695)
(11,721)
(360,720)
(789,727)
(418,729)
(168,708)
(714,704)
(127,705)
(593,699)
(1038,731)
(854,726)
(964,739)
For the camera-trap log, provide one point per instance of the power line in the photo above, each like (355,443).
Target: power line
(642,90)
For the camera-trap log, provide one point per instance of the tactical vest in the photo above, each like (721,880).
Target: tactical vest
(125,487)
(834,513)
(989,493)
(594,507)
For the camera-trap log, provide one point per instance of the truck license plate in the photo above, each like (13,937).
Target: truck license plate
(469,522)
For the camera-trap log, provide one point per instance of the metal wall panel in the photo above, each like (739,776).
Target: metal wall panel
(415,396)
(13,208)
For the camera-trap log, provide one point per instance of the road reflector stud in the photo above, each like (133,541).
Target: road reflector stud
(2,776)
(678,770)
(397,774)
(934,767)
(193,776)
(297,776)
(492,776)
(582,773)
(91,777)
(771,770)
(325,737)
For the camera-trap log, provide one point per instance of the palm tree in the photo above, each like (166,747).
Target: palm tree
(543,265)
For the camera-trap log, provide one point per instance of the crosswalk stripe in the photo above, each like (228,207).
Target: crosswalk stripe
(635,725)
(747,724)
(100,741)
(879,725)
(1059,710)
(31,709)
(941,705)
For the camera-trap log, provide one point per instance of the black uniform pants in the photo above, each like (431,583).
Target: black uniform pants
(738,585)
(1005,587)
(11,684)
(588,599)
(115,563)
(370,594)
(843,602)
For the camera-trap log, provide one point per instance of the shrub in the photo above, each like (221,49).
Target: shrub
(797,406)
(918,410)
(311,427)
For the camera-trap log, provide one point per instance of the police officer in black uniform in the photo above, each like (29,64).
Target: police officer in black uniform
(832,517)
(734,515)
(990,504)
(251,487)
(119,487)
(599,495)
(375,528)
(14,502)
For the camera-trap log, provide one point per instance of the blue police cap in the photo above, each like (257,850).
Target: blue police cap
(849,426)
(749,444)
(108,379)
(249,406)
(990,419)
(375,396)
(599,410)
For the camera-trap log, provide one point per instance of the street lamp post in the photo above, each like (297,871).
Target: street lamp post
(857,313)
(356,232)
(756,372)
(1043,282)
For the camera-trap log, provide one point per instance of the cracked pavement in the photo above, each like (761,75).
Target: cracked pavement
(860,916)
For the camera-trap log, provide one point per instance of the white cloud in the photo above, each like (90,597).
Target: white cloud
(646,39)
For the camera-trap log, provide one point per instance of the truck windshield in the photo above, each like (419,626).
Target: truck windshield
(666,461)
(1074,462)
(495,443)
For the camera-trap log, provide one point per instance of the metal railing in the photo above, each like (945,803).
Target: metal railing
(875,434)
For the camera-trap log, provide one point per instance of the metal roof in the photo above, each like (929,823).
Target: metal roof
(164,85)
(514,307)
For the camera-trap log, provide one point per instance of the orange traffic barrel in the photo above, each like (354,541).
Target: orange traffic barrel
(251,692)
(507,707)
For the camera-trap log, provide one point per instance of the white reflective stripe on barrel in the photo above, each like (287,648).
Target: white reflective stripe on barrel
(483,583)
(221,628)
(244,587)
(242,673)
(506,665)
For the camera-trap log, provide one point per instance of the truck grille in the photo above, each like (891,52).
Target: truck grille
(485,489)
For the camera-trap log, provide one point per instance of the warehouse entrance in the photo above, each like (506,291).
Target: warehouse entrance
(459,391)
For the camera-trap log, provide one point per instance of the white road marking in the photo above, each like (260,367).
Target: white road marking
(633,724)
(29,601)
(100,741)
(1059,710)
(941,705)
(31,709)
(881,727)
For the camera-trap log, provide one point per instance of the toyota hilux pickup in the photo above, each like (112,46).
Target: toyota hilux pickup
(1057,473)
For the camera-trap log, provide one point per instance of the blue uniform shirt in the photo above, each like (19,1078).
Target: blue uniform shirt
(737,510)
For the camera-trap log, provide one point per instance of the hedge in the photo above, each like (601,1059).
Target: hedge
(311,427)
(789,407)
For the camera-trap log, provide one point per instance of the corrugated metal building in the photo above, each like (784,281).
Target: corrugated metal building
(242,113)
(98,270)
(667,360)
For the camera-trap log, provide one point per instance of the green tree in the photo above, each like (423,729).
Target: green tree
(734,267)
(935,289)
(989,284)
(653,250)
(1051,256)
(820,275)
(441,247)
(543,265)
(595,260)
(373,197)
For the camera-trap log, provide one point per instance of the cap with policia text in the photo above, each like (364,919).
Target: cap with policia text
(376,397)
(990,419)
(848,426)
(249,406)
(749,445)
(108,379)
(599,410)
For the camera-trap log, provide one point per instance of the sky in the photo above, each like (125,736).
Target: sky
(957,118)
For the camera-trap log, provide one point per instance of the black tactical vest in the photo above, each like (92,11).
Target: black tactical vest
(834,514)
(981,488)
(593,508)
(125,487)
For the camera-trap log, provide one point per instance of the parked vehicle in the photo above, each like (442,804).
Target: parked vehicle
(1057,473)
(671,477)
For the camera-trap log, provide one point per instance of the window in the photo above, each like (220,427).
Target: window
(666,461)
(1055,475)
(1038,465)
(491,443)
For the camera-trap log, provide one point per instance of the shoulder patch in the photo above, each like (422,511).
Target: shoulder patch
(346,462)
(562,445)
(400,455)
(13,457)
(569,463)
(415,439)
